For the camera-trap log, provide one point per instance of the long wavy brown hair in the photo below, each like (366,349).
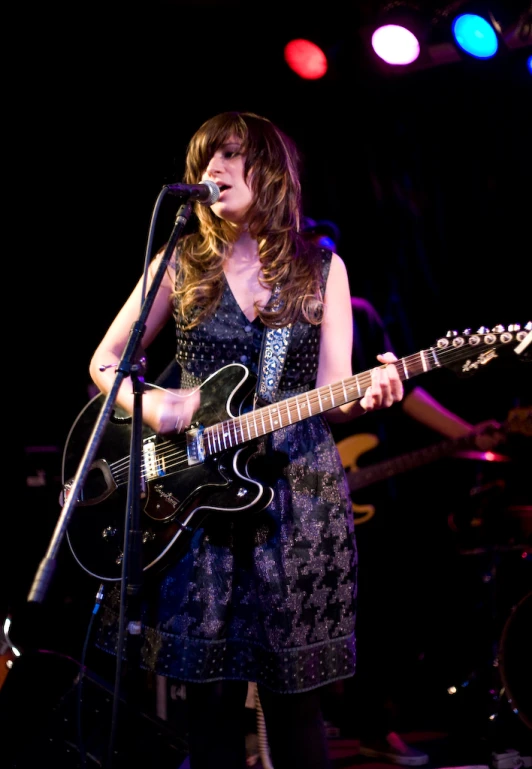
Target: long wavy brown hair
(271,168)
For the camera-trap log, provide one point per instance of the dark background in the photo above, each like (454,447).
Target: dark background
(426,173)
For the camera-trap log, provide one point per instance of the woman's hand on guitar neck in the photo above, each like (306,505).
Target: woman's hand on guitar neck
(386,386)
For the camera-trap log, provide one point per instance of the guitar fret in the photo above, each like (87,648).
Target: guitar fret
(252,425)
(423,361)
(288,412)
(358,388)
(262,420)
(403,361)
(270,416)
(248,428)
(223,436)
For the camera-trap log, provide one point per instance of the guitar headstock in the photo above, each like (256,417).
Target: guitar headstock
(468,351)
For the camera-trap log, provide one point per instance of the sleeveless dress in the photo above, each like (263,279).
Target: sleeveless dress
(267,597)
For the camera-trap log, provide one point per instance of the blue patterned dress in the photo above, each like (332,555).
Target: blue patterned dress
(268,596)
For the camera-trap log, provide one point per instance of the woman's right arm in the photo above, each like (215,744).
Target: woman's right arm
(163,410)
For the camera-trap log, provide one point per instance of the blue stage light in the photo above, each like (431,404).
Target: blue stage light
(475,35)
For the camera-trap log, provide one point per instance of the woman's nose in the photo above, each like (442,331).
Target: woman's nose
(215,165)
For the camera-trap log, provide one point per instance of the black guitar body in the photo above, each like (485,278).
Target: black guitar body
(176,501)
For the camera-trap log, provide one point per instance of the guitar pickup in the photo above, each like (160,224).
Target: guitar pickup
(153,462)
(195,445)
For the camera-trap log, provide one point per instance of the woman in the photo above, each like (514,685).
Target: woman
(266,596)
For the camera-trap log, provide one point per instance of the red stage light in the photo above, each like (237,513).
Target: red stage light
(306,59)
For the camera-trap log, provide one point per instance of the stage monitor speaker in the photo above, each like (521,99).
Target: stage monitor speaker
(72,730)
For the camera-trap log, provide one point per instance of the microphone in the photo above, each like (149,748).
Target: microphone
(207,193)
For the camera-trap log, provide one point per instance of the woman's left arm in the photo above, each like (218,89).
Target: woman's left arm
(336,349)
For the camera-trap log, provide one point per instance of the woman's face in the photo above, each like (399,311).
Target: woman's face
(226,169)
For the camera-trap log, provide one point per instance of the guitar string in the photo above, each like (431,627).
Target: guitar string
(169,457)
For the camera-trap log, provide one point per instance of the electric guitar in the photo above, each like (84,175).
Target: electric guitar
(351,448)
(206,469)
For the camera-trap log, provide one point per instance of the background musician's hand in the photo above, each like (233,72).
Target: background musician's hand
(489,435)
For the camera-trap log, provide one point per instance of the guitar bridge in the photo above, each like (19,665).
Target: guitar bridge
(195,445)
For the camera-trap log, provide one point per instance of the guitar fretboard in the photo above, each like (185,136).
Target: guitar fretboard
(267,419)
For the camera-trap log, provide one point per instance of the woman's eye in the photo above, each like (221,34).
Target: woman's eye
(231,153)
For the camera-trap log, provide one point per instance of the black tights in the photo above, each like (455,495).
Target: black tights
(217,727)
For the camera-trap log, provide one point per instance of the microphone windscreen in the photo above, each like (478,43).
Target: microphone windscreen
(214,195)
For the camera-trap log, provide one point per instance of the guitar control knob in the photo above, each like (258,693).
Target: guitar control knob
(109,532)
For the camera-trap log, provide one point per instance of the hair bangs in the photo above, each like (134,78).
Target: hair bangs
(209,137)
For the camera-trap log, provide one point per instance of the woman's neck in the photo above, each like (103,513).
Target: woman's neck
(245,250)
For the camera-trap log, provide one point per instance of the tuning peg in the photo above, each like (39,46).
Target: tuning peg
(483,330)
(467,332)
(498,329)
(451,333)
(514,327)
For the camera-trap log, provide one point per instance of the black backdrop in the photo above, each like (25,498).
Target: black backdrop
(427,175)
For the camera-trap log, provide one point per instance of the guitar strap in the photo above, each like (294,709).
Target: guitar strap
(275,343)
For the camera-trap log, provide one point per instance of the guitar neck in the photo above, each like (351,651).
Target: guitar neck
(391,467)
(476,350)
(267,419)
(518,421)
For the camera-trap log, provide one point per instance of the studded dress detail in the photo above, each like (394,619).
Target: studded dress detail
(263,596)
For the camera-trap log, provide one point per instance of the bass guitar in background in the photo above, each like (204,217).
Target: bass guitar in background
(353,447)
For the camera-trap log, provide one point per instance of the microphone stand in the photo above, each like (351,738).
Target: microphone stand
(132,567)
